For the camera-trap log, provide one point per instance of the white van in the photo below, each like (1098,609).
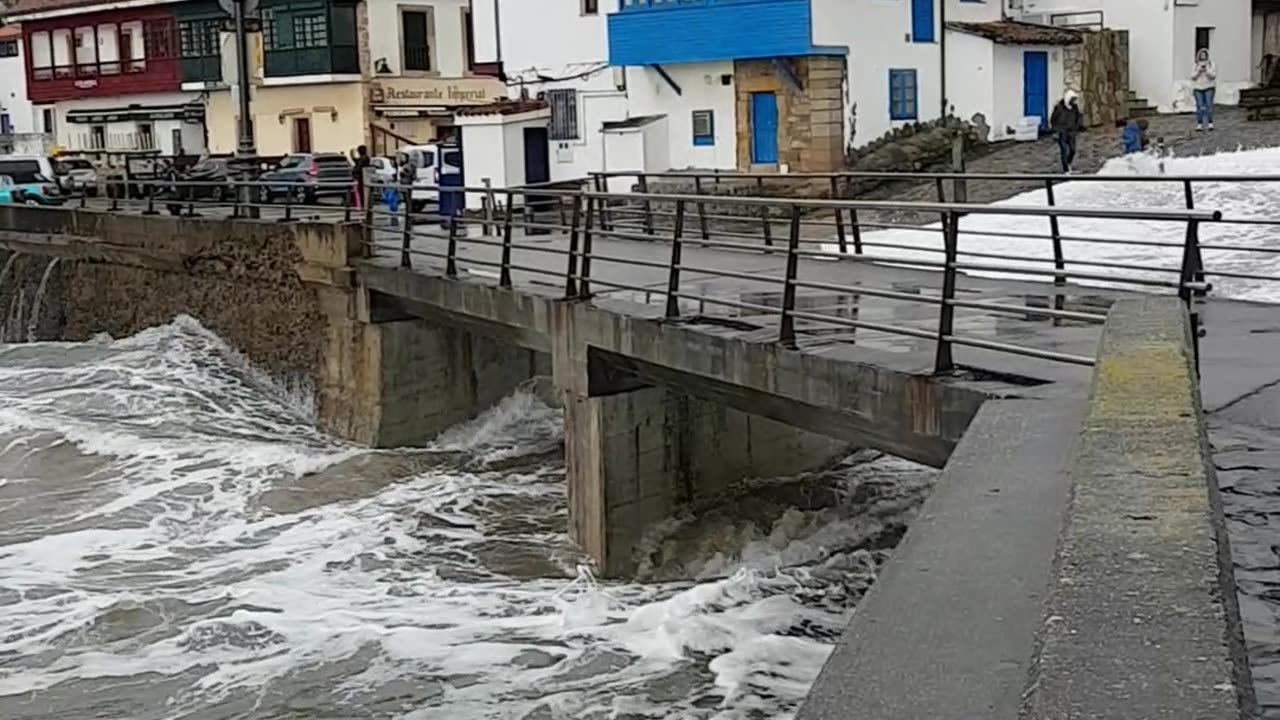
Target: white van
(27,169)
(432,160)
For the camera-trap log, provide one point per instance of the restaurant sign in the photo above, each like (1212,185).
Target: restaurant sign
(418,92)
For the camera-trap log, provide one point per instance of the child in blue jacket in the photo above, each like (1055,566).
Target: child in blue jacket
(1134,137)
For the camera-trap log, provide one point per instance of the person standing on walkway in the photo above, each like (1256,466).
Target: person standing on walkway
(360,168)
(1066,122)
(1204,85)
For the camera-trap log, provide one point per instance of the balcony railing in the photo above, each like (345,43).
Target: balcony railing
(88,70)
(206,69)
(337,59)
(417,57)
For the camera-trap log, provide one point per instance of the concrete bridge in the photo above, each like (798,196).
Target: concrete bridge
(1072,560)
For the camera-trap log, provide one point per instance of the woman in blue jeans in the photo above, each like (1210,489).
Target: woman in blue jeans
(1204,82)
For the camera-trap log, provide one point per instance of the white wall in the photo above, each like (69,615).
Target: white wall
(13,94)
(449,53)
(1229,47)
(701,89)
(1257,26)
(552,35)
(984,11)
(484,23)
(971,77)
(624,150)
(484,148)
(877,34)
(1150,26)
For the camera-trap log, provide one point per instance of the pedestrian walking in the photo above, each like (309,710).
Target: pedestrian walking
(1067,121)
(1204,86)
(359,168)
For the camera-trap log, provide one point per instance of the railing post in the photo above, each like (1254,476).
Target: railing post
(368,207)
(406,234)
(488,205)
(1059,260)
(601,186)
(1189,271)
(835,195)
(942,198)
(673,272)
(856,229)
(571,280)
(504,274)
(584,284)
(151,205)
(648,204)
(764,212)
(288,206)
(787,328)
(357,190)
(702,208)
(943,362)
(451,253)
(115,197)
(1196,259)
(235,201)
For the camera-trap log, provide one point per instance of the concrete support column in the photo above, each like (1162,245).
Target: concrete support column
(401,383)
(635,459)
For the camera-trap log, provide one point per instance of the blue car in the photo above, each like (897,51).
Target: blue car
(31,193)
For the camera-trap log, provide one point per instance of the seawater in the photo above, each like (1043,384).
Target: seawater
(178,541)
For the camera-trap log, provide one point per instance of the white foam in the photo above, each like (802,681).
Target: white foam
(183,442)
(1239,200)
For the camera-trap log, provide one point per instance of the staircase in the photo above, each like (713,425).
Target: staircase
(1139,106)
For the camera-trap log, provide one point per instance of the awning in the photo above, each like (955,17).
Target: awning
(411,111)
(191,113)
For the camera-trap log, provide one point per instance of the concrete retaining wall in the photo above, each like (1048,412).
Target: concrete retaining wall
(1142,621)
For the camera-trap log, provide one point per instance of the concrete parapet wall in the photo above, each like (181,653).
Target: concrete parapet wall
(1142,620)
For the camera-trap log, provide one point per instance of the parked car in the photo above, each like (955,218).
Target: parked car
(431,160)
(29,179)
(76,175)
(308,176)
(37,193)
(206,180)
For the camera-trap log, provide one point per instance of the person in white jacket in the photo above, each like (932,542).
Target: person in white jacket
(1204,81)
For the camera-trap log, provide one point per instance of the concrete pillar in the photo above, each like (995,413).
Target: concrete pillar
(401,383)
(640,457)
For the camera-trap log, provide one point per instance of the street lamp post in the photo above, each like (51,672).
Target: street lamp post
(244,144)
(246,153)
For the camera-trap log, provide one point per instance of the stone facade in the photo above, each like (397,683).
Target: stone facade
(810,121)
(1098,69)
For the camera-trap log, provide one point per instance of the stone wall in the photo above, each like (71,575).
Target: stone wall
(1098,69)
(258,285)
(810,122)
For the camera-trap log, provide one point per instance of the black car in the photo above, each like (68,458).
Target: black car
(307,176)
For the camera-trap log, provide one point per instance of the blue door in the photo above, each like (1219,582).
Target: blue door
(764,128)
(921,21)
(1035,85)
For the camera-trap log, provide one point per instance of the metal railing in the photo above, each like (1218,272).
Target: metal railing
(701,264)
(813,271)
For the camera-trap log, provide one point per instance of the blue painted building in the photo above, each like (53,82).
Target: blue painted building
(780,98)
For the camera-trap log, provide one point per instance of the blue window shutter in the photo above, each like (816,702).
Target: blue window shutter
(922,21)
(903,95)
(704,127)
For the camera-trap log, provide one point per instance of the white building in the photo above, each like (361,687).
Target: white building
(747,84)
(422,69)
(1164,36)
(17,114)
